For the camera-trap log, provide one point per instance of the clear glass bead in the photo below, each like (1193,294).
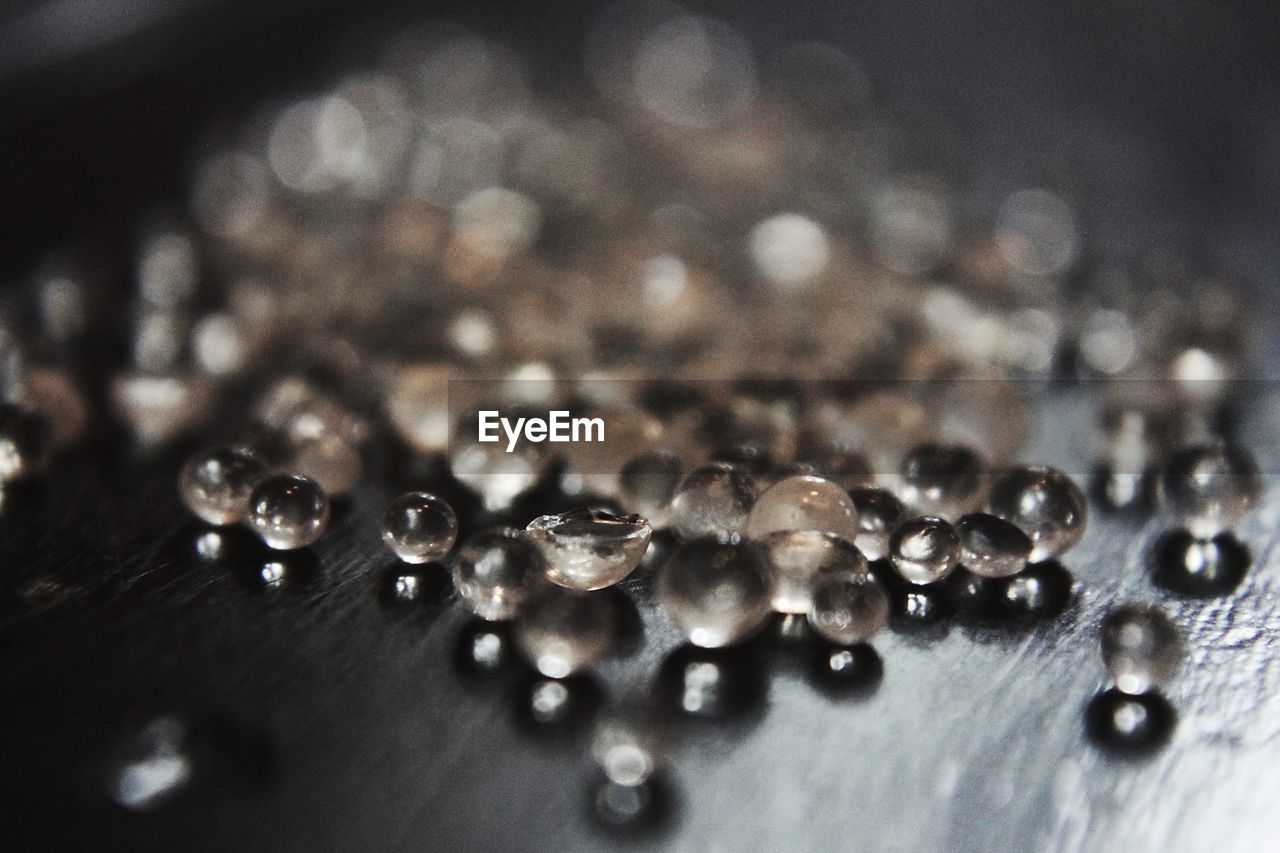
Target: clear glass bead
(331,461)
(419,527)
(288,511)
(496,476)
(797,556)
(24,442)
(215,485)
(924,549)
(992,547)
(848,607)
(1210,487)
(846,468)
(713,500)
(647,484)
(1044,503)
(587,549)
(716,593)
(942,479)
(878,513)
(803,502)
(495,572)
(560,632)
(1141,648)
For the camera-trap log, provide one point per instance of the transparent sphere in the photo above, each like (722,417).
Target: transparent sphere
(1210,487)
(496,572)
(588,549)
(992,547)
(1044,503)
(716,593)
(25,439)
(846,468)
(796,556)
(560,632)
(878,514)
(647,484)
(713,500)
(331,461)
(803,502)
(849,606)
(942,479)
(215,485)
(1141,648)
(288,511)
(924,549)
(419,527)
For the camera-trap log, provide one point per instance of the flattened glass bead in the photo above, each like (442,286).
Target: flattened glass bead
(496,572)
(288,511)
(796,556)
(713,500)
(648,483)
(803,502)
(1044,503)
(848,607)
(942,479)
(878,513)
(587,549)
(992,547)
(716,593)
(924,549)
(561,632)
(419,527)
(215,485)
(1210,487)
(1141,648)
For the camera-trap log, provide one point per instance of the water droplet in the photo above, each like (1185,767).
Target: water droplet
(992,547)
(1141,648)
(495,572)
(419,527)
(587,549)
(716,593)
(215,485)
(288,511)
(1045,504)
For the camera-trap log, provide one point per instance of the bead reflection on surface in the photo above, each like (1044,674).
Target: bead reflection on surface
(561,632)
(586,549)
(1045,504)
(1141,648)
(496,572)
(419,527)
(154,767)
(24,442)
(796,556)
(803,502)
(1202,568)
(1129,725)
(716,593)
(288,511)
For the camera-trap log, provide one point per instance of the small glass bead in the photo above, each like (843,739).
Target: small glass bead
(215,485)
(1210,487)
(288,511)
(924,549)
(25,439)
(845,468)
(1141,648)
(495,572)
(587,549)
(716,593)
(878,514)
(648,483)
(803,502)
(942,479)
(561,632)
(992,547)
(331,461)
(419,527)
(796,556)
(848,606)
(713,500)
(1045,504)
